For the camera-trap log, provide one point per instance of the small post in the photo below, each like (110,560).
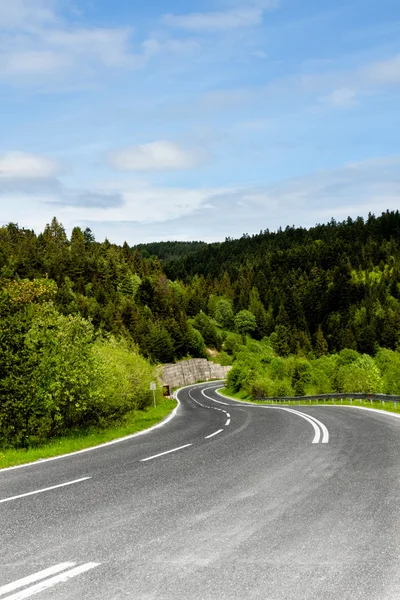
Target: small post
(153,387)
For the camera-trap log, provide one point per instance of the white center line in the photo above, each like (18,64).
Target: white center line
(10,587)
(44,585)
(53,487)
(212,435)
(213,399)
(167,452)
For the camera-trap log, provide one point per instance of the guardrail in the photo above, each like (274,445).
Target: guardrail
(382,398)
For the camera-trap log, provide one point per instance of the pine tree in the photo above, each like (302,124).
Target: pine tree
(320,343)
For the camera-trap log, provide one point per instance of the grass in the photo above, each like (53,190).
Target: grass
(243,396)
(134,422)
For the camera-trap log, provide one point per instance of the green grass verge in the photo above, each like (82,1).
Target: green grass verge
(134,422)
(388,406)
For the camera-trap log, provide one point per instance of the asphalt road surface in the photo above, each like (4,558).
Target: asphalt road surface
(226,501)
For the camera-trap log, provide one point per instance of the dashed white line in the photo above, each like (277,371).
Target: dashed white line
(48,583)
(53,487)
(228,420)
(11,587)
(212,434)
(167,452)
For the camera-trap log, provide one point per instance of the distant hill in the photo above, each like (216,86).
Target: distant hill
(166,251)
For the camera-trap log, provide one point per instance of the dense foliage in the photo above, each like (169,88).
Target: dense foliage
(331,287)
(260,372)
(80,320)
(56,373)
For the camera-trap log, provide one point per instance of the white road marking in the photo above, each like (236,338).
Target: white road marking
(10,587)
(167,452)
(212,399)
(314,422)
(53,487)
(213,408)
(325,432)
(104,445)
(48,583)
(212,435)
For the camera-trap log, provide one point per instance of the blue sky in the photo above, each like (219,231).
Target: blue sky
(202,120)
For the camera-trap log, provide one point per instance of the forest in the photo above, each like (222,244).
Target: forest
(77,315)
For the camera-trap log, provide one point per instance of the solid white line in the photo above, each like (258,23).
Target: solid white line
(386,413)
(325,432)
(317,430)
(227,422)
(10,587)
(314,422)
(167,452)
(44,585)
(212,399)
(104,445)
(212,435)
(53,487)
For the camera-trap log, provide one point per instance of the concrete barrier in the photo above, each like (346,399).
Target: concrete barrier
(191,371)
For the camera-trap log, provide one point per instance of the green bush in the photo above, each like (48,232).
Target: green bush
(55,376)
(121,379)
(388,362)
(360,375)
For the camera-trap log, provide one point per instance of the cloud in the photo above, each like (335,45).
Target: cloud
(87,199)
(342,98)
(19,165)
(37,40)
(156,156)
(384,72)
(110,46)
(115,208)
(351,85)
(25,14)
(236,18)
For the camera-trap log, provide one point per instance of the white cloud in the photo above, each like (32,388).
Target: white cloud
(119,206)
(19,165)
(155,156)
(220,20)
(25,14)
(110,46)
(350,86)
(342,98)
(384,72)
(36,40)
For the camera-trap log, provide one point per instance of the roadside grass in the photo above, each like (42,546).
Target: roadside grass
(132,423)
(380,405)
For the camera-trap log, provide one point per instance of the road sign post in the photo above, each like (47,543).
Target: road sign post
(153,387)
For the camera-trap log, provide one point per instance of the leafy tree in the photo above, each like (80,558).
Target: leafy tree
(208,330)
(245,322)
(224,313)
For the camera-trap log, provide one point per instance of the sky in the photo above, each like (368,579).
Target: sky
(201,120)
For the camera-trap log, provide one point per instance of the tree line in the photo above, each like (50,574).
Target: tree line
(75,313)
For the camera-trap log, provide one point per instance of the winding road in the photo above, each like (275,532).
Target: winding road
(225,501)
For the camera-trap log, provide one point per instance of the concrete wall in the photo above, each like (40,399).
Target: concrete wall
(191,371)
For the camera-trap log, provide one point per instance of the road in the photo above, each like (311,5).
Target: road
(226,501)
